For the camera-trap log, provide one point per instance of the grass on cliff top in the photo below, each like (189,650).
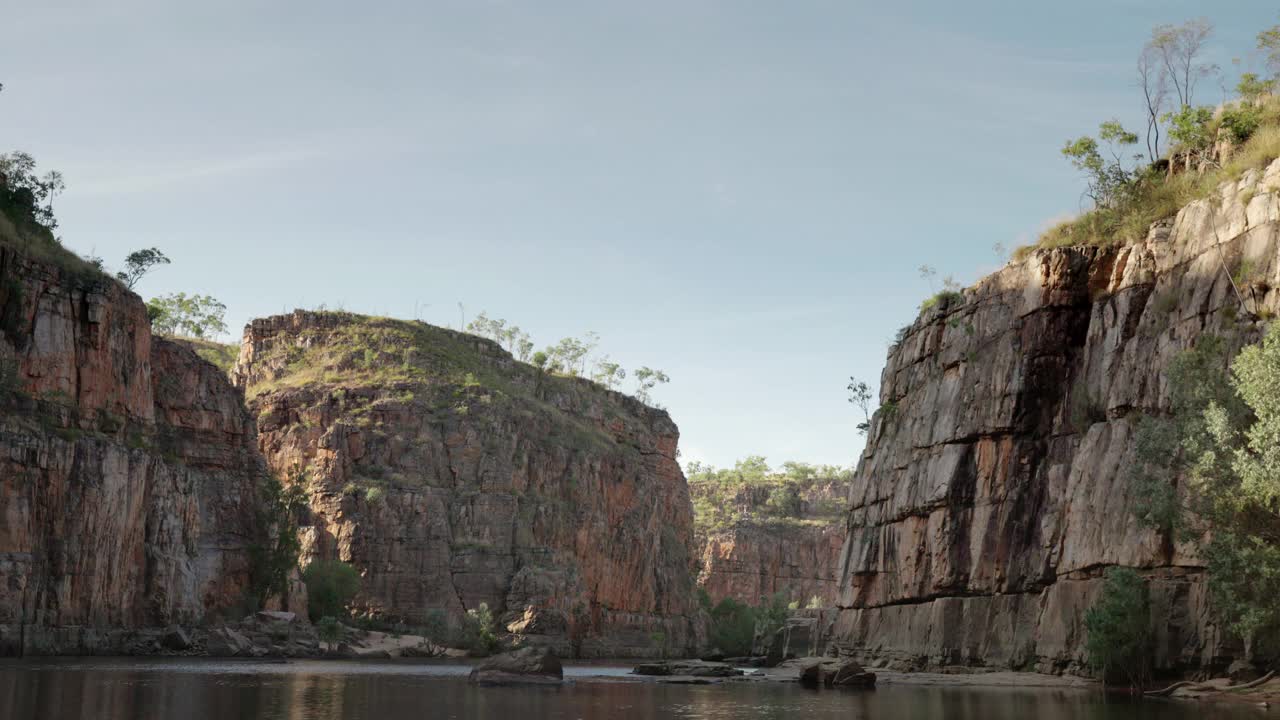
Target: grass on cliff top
(222,355)
(751,492)
(1155,198)
(453,372)
(37,242)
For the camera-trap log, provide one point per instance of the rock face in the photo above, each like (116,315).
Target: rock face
(993,491)
(128,468)
(452,475)
(756,558)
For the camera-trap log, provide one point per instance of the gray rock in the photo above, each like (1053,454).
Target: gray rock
(529,665)
(175,638)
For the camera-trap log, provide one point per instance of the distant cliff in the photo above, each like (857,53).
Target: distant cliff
(452,475)
(777,536)
(993,491)
(128,465)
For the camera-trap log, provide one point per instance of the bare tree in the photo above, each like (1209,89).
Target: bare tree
(1153,78)
(1178,49)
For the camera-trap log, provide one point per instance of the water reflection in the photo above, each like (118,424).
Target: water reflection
(123,690)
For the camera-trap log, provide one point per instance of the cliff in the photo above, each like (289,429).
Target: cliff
(452,475)
(994,491)
(128,466)
(759,553)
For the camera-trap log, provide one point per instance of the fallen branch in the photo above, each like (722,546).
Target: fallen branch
(1200,687)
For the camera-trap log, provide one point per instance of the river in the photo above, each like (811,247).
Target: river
(125,689)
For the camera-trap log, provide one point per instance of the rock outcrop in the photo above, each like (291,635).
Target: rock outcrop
(528,665)
(128,467)
(993,491)
(452,475)
(757,557)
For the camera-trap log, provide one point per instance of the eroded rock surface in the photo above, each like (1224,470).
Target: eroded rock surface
(128,468)
(452,475)
(993,492)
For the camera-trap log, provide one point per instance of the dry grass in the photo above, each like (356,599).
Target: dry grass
(1158,198)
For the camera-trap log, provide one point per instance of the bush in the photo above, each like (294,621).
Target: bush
(331,585)
(329,630)
(1118,627)
(478,633)
(733,627)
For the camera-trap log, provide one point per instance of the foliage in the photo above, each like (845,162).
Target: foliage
(329,630)
(139,263)
(1108,180)
(751,491)
(860,396)
(1222,441)
(607,373)
(1118,627)
(735,625)
(275,556)
(198,316)
(435,626)
(331,585)
(646,380)
(478,633)
(25,196)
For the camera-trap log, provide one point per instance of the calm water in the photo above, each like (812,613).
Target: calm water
(212,690)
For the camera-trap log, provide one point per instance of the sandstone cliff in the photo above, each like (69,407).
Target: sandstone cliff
(993,490)
(757,554)
(128,467)
(452,475)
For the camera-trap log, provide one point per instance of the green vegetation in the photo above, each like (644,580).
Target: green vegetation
(570,356)
(275,556)
(1118,627)
(1128,192)
(26,216)
(479,631)
(222,355)
(329,630)
(197,316)
(1216,458)
(735,625)
(331,586)
(138,264)
(752,492)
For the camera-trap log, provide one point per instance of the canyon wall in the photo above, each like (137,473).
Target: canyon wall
(993,491)
(758,556)
(452,475)
(128,466)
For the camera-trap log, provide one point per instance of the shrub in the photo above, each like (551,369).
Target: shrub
(329,630)
(733,627)
(479,633)
(331,585)
(1118,627)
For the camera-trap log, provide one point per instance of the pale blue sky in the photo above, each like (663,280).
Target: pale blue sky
(736,192)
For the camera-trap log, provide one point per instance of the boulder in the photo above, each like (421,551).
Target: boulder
(834,672)
(528,665)
(175,638)
(656,669)
(226,642)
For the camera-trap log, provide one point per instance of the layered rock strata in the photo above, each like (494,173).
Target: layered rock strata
(128,468)
(993,492)
(452,475)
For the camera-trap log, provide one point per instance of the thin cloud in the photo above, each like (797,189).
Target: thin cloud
(157,178)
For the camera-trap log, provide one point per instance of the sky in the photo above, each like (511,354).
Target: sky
(738,193)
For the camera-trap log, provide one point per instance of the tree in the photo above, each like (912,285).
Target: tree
(1216,458)
(860,396)
(329,631)
(479,633)
(609,374)
(928,273)
(1190,128)
(25,192)
(646,380)
(275,557)
(1109,180)
(1118,628)
(1178,48)
(199,316)
(1269,43)
(138,264)
(570,354)
(331,586)
(1153,78)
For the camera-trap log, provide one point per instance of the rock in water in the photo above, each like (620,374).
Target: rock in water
(175,638)
(529,665)
(833,672)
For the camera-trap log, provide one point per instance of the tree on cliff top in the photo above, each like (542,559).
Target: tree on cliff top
(138,264)
(199,316)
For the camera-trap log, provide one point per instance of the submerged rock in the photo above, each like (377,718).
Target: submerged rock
(529,665)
